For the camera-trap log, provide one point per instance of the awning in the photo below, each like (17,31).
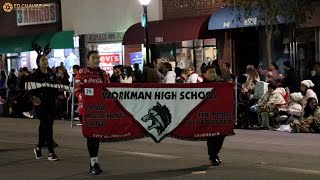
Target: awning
(58,40)
(234,17)
(16,44)
(166,31)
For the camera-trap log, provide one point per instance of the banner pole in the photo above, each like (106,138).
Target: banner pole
(236,100)
(72,99)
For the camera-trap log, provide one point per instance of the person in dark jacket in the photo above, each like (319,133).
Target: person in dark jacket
(44,99)
(290,79)
(215,143)
(316,79)
(115,77)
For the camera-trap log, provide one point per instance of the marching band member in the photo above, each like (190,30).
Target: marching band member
(44,99)
(215,143)
(91,74)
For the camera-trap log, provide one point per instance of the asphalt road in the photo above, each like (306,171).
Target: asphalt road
(250,154)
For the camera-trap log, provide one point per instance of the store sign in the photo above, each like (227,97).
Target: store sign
(110,48)
(250,21)
(226,24)
(193,3)
(105,37)
(158,39)
(107,68)
(136,57)
(110,58)
(44,14)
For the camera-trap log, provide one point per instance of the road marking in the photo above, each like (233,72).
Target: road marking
(150,155)
(199,172)
(270,143)
(293,170)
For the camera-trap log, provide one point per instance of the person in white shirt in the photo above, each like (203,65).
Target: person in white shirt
(192,76)
(170,75)
(126,75)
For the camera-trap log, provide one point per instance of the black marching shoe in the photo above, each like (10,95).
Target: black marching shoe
(53,157)
(215,162)
(95,170)
(37,153)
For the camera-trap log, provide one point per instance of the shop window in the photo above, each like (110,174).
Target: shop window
(110,56)
(187,53)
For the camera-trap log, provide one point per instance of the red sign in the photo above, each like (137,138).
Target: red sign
(117,112)
(110,58)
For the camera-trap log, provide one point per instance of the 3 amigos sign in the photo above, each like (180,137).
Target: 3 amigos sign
(43,14)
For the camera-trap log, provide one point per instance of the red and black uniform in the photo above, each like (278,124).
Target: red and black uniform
(89,75)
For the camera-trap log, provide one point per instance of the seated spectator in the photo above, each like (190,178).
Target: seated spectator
(274,97)
(294,109)
(311,121)
(252,76)
(307,91)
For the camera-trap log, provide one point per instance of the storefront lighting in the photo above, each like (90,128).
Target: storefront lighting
(144,2)
(286,50)
(76,42)
(144,23)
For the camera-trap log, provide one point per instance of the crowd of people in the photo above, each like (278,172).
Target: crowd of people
(280,102)
(14,95)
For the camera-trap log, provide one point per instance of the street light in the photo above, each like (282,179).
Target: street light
(144,22)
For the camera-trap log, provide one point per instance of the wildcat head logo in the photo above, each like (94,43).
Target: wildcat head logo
(158,117)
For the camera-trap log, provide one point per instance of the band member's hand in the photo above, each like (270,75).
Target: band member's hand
(36,101)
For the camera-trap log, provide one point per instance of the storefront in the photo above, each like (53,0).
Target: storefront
(187,40)
(303,47)
(19,52)
(110,49)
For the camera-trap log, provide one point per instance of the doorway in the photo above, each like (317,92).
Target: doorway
(246,48)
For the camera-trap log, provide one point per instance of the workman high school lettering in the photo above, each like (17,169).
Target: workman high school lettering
(158,95)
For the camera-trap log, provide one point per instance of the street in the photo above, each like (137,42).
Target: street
(250,154)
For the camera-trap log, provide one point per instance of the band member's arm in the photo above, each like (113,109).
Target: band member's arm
(79,80)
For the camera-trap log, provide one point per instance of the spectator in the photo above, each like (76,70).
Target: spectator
(307,91)
(170,75)
(316,79)
(290,79)
(137,74)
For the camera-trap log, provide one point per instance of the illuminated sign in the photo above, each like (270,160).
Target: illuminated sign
(44,14)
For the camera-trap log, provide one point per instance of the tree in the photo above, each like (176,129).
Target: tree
(272,12)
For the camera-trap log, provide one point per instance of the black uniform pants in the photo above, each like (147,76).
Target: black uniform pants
(214,146)
(93,144)
(46,130)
